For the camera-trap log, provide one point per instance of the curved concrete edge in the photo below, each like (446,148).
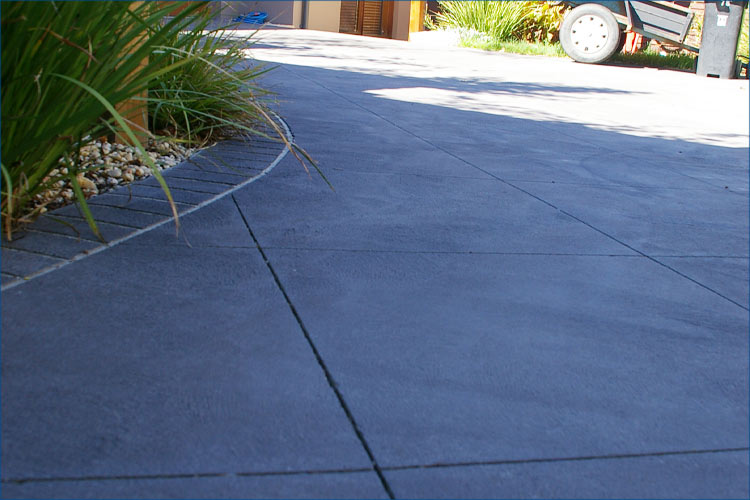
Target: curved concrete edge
(138,232)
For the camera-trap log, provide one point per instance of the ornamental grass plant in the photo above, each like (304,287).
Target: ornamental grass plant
(68,67)
(499,20)
(502,21)
(212,94)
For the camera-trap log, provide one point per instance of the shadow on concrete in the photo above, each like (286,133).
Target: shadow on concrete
(483,287)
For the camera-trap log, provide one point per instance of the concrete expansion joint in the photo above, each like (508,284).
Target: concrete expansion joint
(207,181)
(319,358)
(231,188)
(623,456)
(197,475)
(654,259)
(435,465)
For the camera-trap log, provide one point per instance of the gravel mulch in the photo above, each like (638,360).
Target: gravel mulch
(104,166)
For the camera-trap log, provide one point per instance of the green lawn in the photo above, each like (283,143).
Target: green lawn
(648,58)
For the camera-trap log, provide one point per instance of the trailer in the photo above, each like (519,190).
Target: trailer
(592,32)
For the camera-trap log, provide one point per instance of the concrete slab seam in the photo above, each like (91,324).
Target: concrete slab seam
(74,218)
(656,261)
(34,252)
(510,184)
(329,377)
(623,456)
(409,132)
(358,469)
(462,252)
(626,154)
(113,243)
(197,475)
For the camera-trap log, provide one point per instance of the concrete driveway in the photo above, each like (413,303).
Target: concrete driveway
(531,280)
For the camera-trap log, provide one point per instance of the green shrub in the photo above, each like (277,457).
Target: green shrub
(543,21)
(743,50)
(212,94)
(500,20)
(65,68)
(503,20)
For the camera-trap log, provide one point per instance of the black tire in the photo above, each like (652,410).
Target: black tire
(590,33)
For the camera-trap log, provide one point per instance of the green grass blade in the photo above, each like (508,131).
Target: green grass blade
(134,140)
(85,207)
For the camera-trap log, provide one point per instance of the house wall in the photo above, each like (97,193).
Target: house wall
(323,15)
(401,15)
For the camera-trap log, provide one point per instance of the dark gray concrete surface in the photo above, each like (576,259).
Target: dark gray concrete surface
(183,361)
(711,475)
(530,280)
(310,485)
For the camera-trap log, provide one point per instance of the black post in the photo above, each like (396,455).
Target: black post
(721,31)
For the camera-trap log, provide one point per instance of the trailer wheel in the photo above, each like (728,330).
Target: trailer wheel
(590,33)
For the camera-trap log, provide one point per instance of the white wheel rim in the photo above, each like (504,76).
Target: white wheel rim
(589,34)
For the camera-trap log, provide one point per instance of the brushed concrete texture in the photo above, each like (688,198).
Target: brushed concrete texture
(168,360)
(115,215)
(711,222)
(51,245)
(704,475)
(453,306)
(230,178)
(728,276)
(409,213)
(188,184)
(218,224)
(156,207)
(79,228)
(156,192)
(312,485)
(215,164)
(454,358)
(20,263)
(719,167)
(411,159)
(588,167)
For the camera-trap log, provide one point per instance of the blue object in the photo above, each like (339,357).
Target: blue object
(252,18)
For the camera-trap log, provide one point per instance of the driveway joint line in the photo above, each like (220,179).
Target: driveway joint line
(708,187)
(218,183)
(412,174)
(197,475)
(656,261)
(34,252)
(426,141)
(159,223)
(134,197)
(62,235)
(180,189)
(537,198)
(319,358)
(627,154)
(457,252)
(585,458)
(83,219)
(125,207)
(744,257)
(545,202)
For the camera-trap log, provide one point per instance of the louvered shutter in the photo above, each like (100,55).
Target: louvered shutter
(371,18)
(348,18)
